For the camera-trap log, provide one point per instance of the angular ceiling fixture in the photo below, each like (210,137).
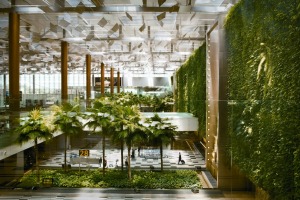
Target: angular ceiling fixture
(64,23)
(78,28)
(142,28)
(192,16)
(129,16)
(35,37)
(161,16)
(102,22)
(91,35)
(53,28)
(115,28)
(161,2)
(161,23)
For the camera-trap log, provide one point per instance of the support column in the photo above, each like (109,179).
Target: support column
(218,140)
(33,84)
(102,79)
(118,82)
(5,99)
(64,71)
(112,81)
(88,79)
(212,79)
(14,61)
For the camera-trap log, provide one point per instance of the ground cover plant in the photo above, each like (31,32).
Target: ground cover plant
(114,179)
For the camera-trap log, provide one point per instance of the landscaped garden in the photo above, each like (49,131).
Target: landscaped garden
(118,118)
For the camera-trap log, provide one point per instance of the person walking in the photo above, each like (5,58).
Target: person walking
(179,158)
(100,161)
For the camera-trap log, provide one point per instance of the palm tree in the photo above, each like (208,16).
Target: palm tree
(67,121)
(121,106)
(132,130)
(162,132)
(35,127)
(118,124)
(100,120)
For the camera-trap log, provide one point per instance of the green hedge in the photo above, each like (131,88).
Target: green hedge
(116,179)
(191,87)
(263,39)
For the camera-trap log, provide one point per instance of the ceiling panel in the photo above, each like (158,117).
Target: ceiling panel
(155,37)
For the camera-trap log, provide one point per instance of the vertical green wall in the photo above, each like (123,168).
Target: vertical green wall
(263,39)
(191,86)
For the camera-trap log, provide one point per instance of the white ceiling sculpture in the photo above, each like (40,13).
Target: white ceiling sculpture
(134,36)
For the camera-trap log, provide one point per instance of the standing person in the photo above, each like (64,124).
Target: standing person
(179,158)
(126,161)
(139,151)
(100,161)
(105,163)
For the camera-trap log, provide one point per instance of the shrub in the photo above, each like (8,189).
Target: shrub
(116,179)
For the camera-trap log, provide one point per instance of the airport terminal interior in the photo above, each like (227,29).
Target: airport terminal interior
(213,69)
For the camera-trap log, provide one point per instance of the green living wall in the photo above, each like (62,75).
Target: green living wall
(263,39)
(191,86)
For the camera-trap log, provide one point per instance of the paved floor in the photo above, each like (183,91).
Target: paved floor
(117,194)
(143,160)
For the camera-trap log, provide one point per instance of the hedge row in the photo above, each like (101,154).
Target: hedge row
(115,179)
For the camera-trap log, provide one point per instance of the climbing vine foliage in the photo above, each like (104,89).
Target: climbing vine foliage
(263,40)
(190,93)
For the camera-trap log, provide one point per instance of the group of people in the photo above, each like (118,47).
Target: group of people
(180,161)
(104,162)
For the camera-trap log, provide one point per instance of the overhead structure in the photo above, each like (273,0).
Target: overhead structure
(134,36)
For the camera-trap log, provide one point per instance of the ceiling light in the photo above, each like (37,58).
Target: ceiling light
(28,9)
(73,39)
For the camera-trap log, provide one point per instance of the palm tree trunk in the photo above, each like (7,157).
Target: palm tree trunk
(161,158)
(103,155)
(129,168)
(122,155)
(65,156)
(37,161)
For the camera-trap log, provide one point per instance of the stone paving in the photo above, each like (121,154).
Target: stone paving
(147,157)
